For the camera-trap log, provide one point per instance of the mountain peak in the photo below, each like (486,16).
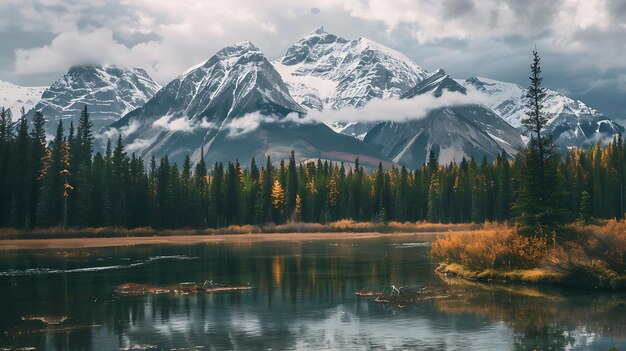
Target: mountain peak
(15,97)
(230,54)
(109,91)
(238,49)
(436,83)
(324,70)
(77,69)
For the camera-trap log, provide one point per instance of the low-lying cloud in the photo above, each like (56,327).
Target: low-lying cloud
(377,110)
(396,109)
(175,124)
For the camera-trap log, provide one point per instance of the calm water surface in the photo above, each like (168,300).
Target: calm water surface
(303,299)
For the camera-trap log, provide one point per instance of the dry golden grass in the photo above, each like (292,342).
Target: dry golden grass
(344,225)
(499,247)
(595,256)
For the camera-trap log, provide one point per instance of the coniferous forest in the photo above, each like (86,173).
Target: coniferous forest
(62,182)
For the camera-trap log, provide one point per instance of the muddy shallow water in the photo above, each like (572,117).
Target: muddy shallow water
(303,298)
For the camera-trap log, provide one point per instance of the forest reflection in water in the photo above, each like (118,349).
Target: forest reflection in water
(303,298)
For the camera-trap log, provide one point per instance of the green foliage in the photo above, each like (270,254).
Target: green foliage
(584,215)
(539,205)
(117,189)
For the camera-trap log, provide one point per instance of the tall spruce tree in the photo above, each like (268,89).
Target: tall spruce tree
(539,200)
(38,155)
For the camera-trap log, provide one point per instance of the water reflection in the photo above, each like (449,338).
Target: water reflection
(303,299)
(544,318)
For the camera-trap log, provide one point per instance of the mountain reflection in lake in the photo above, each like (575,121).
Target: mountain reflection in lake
(304,298)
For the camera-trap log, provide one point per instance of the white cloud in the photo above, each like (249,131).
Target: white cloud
(185,32)
(140,144)
(378,110)
(397,110)
(247,123)
(577,38)
(71,48)
(175,124)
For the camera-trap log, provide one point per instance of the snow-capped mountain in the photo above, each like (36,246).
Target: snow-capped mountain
(452,132)
(109,92)
(570,121)
(325,71)
(234,105)
(15,97)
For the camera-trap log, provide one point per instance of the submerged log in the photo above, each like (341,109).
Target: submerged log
(45,319)
(409,295)
(368,292)
(138,289)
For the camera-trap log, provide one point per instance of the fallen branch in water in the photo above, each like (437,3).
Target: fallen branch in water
(137,289)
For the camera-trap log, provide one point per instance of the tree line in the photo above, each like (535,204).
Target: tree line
(62,182)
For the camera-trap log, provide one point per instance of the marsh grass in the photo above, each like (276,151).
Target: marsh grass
(295,227)
(595,256)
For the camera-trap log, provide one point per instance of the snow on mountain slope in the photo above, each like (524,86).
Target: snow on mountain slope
(323,71)
(232,106)
(108,91)
(15,97)
(452,132)
(570,121)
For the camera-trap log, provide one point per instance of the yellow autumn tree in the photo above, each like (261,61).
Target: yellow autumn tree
(278,196)
(298,207)
(333,193)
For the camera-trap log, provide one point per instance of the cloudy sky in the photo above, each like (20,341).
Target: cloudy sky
(582,42)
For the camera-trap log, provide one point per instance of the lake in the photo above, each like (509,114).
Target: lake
(303,298)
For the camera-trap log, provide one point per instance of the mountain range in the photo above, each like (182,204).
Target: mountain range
(109,92)
(452,132)
(16,98)
(571,122)
(234,105)
(237,105)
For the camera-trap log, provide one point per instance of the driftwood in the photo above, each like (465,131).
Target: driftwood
(408,295)
(45,319)
(368,292)
(137,289)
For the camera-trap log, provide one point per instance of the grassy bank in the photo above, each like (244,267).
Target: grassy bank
(334,227)
(591,256)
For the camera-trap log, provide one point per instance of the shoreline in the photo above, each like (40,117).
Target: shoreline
(84,243)
(535,276)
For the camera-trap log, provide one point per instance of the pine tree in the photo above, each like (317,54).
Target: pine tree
(38,155)
(51,202)
(292,186)
(433,215)
(84,139)
(21,168)
(539,201)
(266,196)
(584,214)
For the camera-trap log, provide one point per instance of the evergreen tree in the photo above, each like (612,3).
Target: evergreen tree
(584,214)
(21,165)
(292,186)
(38,156)
(539,201)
